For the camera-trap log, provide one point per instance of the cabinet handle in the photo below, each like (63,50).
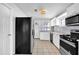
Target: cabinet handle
(9,34)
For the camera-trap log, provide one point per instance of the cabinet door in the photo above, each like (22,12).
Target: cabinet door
(56,40)
(72,20)
(68,21)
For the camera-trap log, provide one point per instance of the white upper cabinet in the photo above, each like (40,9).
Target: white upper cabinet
(53,22)
(59,21)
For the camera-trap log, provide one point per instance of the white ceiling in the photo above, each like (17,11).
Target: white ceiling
(53,9)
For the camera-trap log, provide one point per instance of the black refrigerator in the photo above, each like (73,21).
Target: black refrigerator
(23,35)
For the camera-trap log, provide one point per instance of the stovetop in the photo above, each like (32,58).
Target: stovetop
(67,37)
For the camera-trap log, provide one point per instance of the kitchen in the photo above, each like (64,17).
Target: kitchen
(51,31)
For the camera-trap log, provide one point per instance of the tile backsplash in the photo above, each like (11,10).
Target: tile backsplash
(63,29)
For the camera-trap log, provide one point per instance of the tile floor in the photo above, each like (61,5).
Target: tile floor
(42,47)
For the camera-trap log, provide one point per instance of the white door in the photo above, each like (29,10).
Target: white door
(4,30)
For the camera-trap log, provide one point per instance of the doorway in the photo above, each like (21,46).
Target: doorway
(23,35)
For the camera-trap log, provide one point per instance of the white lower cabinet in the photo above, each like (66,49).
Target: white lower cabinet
(56,40)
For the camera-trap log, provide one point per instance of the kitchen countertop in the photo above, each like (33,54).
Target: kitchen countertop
(59,33)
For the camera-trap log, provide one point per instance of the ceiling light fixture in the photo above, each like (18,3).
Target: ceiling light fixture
(42,11)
